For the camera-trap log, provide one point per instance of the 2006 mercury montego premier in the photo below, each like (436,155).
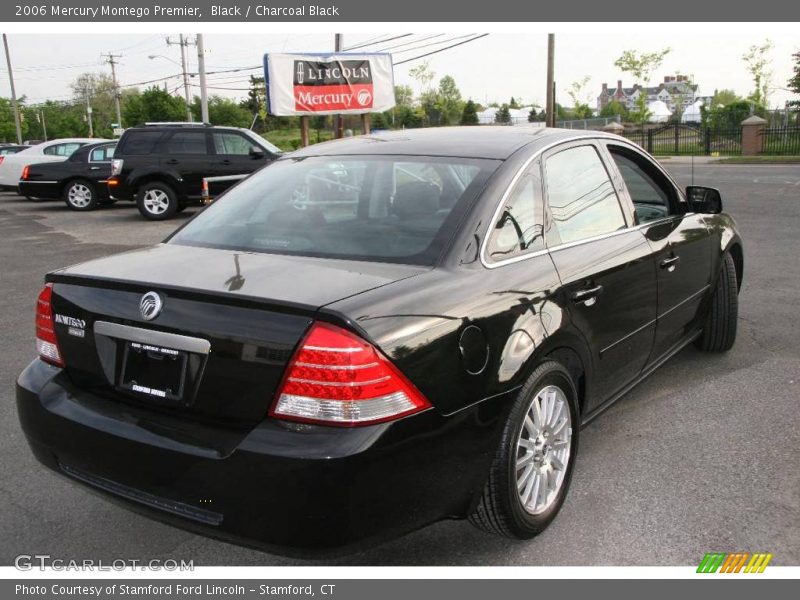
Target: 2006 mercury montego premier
(377,333)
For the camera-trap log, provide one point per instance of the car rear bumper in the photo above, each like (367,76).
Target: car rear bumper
(295,489)
(39,189)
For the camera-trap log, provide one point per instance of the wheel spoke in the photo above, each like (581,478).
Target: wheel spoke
(530,426)
(557,464)
(525,460)
(523,480)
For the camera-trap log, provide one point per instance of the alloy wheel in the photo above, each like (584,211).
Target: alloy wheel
(156,202)
(79,195)
(543,449)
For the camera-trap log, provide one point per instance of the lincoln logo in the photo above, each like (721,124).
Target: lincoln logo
(300,71)
(150,306)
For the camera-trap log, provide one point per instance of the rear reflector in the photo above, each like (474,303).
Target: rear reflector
(25,170)
(337,378)
(46,343)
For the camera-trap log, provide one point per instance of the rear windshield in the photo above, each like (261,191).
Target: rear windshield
(381,208)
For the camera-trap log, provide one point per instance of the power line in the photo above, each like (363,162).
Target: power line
(397,37)
(477,37)
(452,39)
(422,39)
(153,80)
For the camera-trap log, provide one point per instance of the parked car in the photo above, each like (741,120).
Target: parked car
(374,334)
(11,149)
(161,165)
(80,180)
(52,151)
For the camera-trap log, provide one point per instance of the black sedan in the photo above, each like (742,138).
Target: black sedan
(374,334)
(80,180)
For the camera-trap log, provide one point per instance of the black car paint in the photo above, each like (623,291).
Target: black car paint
(183,173)
(48,179)
(306,488)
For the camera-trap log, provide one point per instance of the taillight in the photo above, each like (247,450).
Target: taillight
(2,158)
(337,378)
(25,170)
(116,167)
(46,343)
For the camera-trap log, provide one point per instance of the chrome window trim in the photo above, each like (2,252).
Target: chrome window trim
(596,136)
(149,336)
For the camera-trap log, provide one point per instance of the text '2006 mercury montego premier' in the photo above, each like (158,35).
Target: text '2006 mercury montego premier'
(374,334)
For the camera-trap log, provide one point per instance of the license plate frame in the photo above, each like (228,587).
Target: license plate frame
(154,372)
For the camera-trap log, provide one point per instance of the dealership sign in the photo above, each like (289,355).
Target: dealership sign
(321,84)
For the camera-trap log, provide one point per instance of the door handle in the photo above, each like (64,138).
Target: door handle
(669,263)
(587,296)
(94,168)
(225,161)
(171,161)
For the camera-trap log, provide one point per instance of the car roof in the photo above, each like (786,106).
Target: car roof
(478,141)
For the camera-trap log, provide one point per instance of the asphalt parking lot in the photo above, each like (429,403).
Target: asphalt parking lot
(703,456)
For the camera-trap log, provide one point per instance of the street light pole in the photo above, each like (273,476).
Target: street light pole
(89,111)
(338,45)
(13,92)
(201,68)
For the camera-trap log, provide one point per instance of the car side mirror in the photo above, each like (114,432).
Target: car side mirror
(256,152)
(704,199)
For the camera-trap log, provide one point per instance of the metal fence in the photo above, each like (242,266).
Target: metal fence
(593,123)
(677,140)
(781,140)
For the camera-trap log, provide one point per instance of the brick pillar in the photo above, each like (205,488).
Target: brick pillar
(753,135)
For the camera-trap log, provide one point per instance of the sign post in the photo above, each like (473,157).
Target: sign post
(329,84)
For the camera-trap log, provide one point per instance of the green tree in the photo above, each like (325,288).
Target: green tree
(641,67)
(154,104)
(98,88)
(794,82)
(534,116)
(724,98)
(757,60)
(403,95)
(469,116)
(224,111)
(578,94)
(503,115)
(449,101)
(513,103)
(615,108)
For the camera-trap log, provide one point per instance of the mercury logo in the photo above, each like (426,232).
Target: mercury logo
(150,306)
(364,98)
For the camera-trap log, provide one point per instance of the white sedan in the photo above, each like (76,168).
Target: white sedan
(55,150)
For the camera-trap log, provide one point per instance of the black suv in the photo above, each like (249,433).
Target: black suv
(162,165)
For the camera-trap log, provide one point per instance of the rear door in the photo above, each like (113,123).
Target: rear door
(100,165)
(188,152)
(605,265)
(680,242)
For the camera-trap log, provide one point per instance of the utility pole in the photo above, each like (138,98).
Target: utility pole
(110,59)
(43,122)
(88,93)
(183,42)
(13,92)
(201,68)
(551,100)
(338,44)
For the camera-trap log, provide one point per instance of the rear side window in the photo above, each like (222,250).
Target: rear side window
(581,197)
(518,228)
(380,208)
(139,142)
(231,144)
(65,149)
(102,154)
(187,142)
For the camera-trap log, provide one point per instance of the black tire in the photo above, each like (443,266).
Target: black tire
(500,509)
(168,201)
(80,195)
(719,331)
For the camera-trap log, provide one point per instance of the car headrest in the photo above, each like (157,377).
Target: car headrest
(416,198)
